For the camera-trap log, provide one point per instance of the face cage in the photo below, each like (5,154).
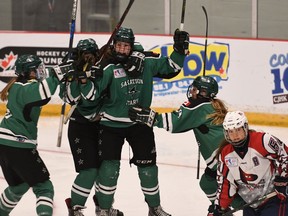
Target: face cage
(41,73)
(239,143)
(188,93)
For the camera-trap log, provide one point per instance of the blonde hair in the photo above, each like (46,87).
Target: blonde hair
(220,112)
(5,90)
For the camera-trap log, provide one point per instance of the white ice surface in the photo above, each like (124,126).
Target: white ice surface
(177,161)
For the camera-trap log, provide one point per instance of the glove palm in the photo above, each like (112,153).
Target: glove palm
(181,42)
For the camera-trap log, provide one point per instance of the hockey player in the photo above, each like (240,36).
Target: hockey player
(204,114)
(251,164)
(20,161)
(129,82)
(83,133)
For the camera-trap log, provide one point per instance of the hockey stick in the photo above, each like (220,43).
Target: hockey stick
(104,50)
(116,29)
(206,36)
(266,197)
(183,15)
(63,107)
(204,71)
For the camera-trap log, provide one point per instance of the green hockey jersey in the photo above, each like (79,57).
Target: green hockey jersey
(125,92)
(18,128)
(193,116)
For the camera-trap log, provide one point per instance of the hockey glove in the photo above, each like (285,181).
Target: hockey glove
(86,69)
(219,212)
(142,115)
(65,71)
(181,42)
(135,64)
(281,188)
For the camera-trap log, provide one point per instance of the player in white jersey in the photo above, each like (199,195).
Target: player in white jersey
(251,164)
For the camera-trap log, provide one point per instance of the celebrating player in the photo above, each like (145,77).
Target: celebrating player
(129,82)
(20,161)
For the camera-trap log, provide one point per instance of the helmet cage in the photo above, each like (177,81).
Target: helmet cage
(123,35)
(41,73)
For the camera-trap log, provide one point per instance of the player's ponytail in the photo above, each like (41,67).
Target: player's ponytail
(4,92)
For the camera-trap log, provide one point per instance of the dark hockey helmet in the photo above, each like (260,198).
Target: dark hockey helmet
(123,35)
(207,87)
(87,45)
(25,64)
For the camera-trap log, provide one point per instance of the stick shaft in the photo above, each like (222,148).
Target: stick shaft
(103,51)
(183,15)
(72,31)
(206,36)
(266,197)
(116,29)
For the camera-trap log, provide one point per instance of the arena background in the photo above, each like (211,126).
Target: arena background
(252,73)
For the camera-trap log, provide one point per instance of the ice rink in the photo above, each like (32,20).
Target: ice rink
(177,160)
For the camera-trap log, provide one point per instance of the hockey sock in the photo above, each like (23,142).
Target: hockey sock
(44,193)
(82,186)
(96,187)
(209,186)
(11,196)
(108,177)
(149,184)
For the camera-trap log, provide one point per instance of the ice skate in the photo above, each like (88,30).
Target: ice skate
(210,210)
(157,211)
(108,212)
(74,210)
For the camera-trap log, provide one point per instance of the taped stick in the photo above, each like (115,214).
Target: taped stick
(117,27)
(183,15)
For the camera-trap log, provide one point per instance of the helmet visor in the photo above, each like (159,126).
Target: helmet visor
(41,73)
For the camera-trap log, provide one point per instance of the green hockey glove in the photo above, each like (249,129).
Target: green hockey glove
(181,42)
(142,115)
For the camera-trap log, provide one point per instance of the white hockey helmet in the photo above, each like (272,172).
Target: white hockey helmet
(235,120)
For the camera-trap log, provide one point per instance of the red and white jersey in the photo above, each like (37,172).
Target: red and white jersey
(251,175)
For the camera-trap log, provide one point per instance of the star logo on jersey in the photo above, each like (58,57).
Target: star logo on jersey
(245,177)
(133,90)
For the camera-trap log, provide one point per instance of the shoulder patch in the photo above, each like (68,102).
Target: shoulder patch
(119,73)
(231,161)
